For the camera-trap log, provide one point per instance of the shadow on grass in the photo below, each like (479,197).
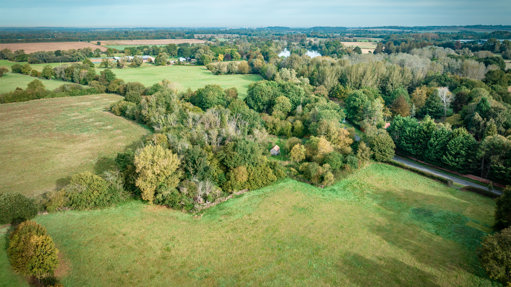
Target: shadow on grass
(408,221)
(384,271)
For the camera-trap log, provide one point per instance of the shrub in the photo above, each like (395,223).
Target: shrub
(31,251)
(503,210)
(55,200)
(15,207)
(3,70)
(335,160)
(495,256)
(87,190)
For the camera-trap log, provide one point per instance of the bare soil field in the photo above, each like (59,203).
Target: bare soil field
(151,42)
(49,46)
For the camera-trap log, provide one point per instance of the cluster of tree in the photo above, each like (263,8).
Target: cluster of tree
(49,57)
(222,68)
(32,253)
(208,143)
(455,149)
(495,251)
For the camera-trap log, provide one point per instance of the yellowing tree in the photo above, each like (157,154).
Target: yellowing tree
(342,142)
(298,153)
(156,167)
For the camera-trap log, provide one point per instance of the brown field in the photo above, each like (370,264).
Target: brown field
(49,46)
(366,47)
(151,42)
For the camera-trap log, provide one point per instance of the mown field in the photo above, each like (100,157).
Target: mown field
(381,226)
(44,141)
(185,77)
(10,81)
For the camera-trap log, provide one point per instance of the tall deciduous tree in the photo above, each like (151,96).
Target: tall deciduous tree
(156,167)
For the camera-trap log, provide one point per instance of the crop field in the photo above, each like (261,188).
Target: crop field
(10,81)
(44,141)
(49,46)
(150,42)
(185,77)
(366,47)
(370,229)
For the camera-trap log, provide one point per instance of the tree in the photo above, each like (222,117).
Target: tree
(446,97)
(297,153)
(355,105)
(317,148)
(47,72)
(419,96)
(3,70)
(31,251)
(364,153)
(156,167)
(281,107)
(495,256)
(161,59)
(503,210)
(15,207)
(86,190)
(459,151)
(381,144)
(137,61)
(401,107)
(208,97)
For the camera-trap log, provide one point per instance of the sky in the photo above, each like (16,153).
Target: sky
(254,13)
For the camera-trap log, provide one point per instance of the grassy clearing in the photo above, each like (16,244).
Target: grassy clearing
(185,77)
(10,81)
(381,226)
(44,141)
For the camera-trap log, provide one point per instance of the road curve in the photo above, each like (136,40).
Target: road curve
(444,175)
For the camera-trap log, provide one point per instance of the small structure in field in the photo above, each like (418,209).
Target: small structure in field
(275,150)
(387,125)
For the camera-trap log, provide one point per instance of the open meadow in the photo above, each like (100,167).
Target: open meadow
(44,141)
(381,226)
(185,77)
(10,81)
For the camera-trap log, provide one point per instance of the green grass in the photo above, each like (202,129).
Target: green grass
(185,77)
(38,67)
(44,141)
(10,81)
(381,226)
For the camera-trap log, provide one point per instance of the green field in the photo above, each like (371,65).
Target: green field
(44,141)
(381,226)
(10,81)
(38,67)
(185,77)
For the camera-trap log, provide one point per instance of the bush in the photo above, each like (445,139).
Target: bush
(15,207)
(55,200)
(503,210)
(381,144)
(87,190)
(31,251)
(495,256)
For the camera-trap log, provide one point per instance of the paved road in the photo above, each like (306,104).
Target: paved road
(444,175)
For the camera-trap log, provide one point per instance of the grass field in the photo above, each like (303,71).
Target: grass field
(10,81)
(185,77)
(381,226)
(44,141)
(38,67)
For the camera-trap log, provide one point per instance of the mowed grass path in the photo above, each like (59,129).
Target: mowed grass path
(185,77)
(382,226)
(43,141)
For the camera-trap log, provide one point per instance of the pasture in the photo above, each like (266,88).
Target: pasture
(10,81)
(381,226)
(44,141)
(185,77)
